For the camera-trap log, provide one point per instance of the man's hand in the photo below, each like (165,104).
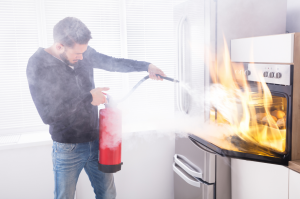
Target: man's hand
(153,70)
(98,96)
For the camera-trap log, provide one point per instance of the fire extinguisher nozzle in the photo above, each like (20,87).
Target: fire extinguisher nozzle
(168,78)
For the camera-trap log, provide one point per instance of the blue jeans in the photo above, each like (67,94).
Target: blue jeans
(68,161)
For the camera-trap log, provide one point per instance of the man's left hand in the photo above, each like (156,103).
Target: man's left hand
(153,70)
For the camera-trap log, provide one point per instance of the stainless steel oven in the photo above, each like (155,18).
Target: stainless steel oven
(268,138)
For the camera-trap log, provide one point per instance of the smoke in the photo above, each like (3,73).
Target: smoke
(111,128)
(179,125)
(151,126)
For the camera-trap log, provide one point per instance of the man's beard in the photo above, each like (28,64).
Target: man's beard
(64,58)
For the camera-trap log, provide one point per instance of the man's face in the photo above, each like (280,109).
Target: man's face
(71,56)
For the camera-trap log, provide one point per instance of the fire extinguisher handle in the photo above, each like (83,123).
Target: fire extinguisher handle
(107,97)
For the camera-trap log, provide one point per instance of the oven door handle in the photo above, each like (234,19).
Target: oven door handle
(203,147)
(190,180)
(188,166)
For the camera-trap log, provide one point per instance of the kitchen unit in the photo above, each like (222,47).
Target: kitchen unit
(260,180)
(195,28)
(266,65)
(274,54)
(199,171)
(294,181)
(257,180)
(194,160)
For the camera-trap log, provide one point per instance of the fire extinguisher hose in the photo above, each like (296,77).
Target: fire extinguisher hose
(144,79)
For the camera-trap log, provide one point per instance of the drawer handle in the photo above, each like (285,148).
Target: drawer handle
(186,168)
(195,182)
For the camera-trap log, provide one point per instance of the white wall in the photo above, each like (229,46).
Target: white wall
(293,16)
(147,170)
(249,18)
(26,173)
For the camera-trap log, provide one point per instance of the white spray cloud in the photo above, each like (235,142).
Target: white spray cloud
(148,126)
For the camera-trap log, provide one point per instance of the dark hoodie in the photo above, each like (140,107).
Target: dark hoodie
(62,94)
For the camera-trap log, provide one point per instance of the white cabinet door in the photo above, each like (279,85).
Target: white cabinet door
(266,49)
(259,180)
(294,185)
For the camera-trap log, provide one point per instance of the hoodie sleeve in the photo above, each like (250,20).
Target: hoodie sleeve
(101,61)
(51,108)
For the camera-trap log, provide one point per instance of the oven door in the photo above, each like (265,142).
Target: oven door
(271,144)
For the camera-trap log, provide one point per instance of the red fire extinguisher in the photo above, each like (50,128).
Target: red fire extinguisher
(110,133)
(110,139)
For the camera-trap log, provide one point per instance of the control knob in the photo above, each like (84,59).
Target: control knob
(278,75)
(266,74)
(247,72)
(271,75)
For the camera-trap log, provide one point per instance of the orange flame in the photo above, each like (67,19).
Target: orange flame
(253,116)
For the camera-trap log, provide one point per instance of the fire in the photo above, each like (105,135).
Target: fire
(255,117)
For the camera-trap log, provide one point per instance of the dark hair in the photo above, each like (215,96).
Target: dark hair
(71,30)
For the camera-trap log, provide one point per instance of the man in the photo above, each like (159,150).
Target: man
(61,82)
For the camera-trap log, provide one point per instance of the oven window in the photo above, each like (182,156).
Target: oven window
(266,129)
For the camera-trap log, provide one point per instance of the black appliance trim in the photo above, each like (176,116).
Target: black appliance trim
(281,160)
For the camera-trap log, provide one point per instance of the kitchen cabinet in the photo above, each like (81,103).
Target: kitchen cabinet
(294,182)
(260,180)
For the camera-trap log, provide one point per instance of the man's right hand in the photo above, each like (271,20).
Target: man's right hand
(98,96)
